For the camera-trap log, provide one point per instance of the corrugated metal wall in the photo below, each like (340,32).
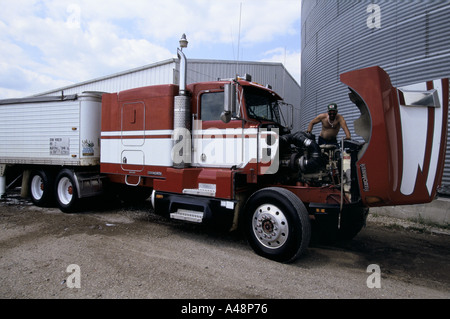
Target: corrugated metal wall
(412,45)
(153,74)
(167,72)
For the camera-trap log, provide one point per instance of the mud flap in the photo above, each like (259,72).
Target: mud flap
(353,219)
(325,223)
(330,224)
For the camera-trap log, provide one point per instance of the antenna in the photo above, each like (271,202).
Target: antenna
(239,38)
(284,70)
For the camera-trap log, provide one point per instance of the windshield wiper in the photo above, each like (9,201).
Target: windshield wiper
(253,115)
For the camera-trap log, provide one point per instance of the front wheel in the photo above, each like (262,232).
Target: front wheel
(66,192)
(277,224)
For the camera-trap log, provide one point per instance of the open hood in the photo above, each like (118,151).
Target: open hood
(405,130)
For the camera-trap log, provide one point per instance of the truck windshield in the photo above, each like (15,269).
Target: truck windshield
(261,105)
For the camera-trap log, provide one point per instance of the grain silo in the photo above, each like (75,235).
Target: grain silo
(410,40)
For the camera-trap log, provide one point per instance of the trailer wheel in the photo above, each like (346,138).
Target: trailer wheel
(66,192)
(41,188)
(277,224)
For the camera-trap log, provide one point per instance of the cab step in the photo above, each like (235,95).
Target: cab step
(188,215)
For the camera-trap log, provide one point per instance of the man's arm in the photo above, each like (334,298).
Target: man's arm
(316,120)
(345,128)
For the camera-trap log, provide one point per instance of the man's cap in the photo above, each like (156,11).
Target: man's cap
(332,107)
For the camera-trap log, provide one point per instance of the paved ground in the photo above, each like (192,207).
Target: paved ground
(128,252)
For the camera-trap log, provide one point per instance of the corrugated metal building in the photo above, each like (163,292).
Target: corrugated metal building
(167,72)
(409,39)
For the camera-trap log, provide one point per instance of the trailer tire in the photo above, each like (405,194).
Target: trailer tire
(66,192)
(277,224)
(41,188)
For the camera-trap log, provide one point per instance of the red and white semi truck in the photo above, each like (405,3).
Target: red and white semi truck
(219,153)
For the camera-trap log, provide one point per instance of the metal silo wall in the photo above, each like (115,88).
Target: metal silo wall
(412,45)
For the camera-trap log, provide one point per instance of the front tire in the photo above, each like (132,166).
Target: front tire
(277,224)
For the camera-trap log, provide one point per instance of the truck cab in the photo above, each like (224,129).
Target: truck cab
(229,137)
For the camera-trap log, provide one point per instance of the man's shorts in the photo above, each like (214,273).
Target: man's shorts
(324,141)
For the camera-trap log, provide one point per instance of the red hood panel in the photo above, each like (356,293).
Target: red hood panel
(404,157)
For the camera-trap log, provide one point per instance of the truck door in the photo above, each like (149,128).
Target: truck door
(215,143)
(133,136)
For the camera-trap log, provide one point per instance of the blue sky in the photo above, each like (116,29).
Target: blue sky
(53,43)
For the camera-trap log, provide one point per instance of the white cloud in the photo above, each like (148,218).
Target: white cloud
(47,44)
(275,18)
(290,59)
(53,50)
(15,79)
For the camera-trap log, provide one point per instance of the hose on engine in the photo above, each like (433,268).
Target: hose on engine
(313,161)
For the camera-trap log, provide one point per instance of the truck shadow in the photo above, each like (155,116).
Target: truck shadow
(406,255)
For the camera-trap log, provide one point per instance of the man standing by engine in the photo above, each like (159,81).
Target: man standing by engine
(331,124)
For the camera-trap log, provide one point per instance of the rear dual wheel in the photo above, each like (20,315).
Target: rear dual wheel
(66,191)
(277,224)
(41,188)
(45,188)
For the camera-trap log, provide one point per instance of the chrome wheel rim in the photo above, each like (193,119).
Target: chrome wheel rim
(270,226)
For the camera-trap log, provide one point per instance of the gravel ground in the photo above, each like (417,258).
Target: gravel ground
(129,252)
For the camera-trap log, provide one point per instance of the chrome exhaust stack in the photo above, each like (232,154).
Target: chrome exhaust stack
(181,151)
(183,64)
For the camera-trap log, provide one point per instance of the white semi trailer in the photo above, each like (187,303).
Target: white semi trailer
(53,140)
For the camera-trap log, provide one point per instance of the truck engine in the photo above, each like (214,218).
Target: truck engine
(303,162)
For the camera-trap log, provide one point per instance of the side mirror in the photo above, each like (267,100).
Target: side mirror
(225,116)
(229,102)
